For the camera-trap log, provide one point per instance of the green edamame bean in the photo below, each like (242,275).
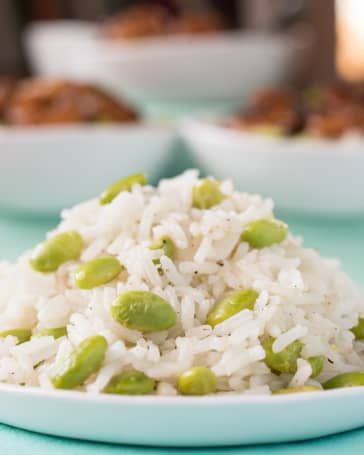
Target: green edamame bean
(143,311)
(284,361)
(264,233)
(165,244)
(197,381)
(232,303)
(305,388)
(22,335)
(56,332)
(129,344)
(97,272)
(312,97)
(50,254)
(358,330)
(317,364)
(353,379)
(130,383)
(268,130)
(85,360)
(124,184)
(206,193)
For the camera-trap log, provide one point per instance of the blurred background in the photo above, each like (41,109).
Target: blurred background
(93,90)
(208,55)
(113,67)
(315,17)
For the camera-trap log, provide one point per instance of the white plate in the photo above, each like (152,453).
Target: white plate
(45,169)
(220,68)
(301,175)
(182,421)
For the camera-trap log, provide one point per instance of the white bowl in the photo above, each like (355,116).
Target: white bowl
(301,175)
(46,169)
(183,421)
(61,48)
(213,70)
(217,67)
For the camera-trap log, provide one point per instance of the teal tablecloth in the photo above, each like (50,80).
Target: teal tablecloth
(336,238)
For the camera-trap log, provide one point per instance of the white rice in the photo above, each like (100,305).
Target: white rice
(301,296)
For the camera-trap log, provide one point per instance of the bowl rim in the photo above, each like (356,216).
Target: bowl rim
(39,27)
(212,43)
(20,134)
(211,130)
(219,43)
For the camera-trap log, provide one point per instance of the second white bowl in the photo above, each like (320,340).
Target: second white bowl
(166,74)
(47,169)
(301,175)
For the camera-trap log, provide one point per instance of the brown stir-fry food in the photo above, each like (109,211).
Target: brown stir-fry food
(43,102)
(144,21)
(271,108)
(197,23)
(7,86)
(137,22)
(328,112)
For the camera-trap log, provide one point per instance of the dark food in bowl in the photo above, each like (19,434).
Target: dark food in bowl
(327,112)
(195,23)
(7,86)
(334,124)
(152,20)
(41,102)
(277,108)
(136,22)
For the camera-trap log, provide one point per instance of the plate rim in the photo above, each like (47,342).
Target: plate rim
(210,400)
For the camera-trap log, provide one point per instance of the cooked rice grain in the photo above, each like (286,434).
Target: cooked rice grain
(301,296)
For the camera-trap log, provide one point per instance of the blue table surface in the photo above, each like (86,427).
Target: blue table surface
(338,238)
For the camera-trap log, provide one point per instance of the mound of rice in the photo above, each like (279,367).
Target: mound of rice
(301,296)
